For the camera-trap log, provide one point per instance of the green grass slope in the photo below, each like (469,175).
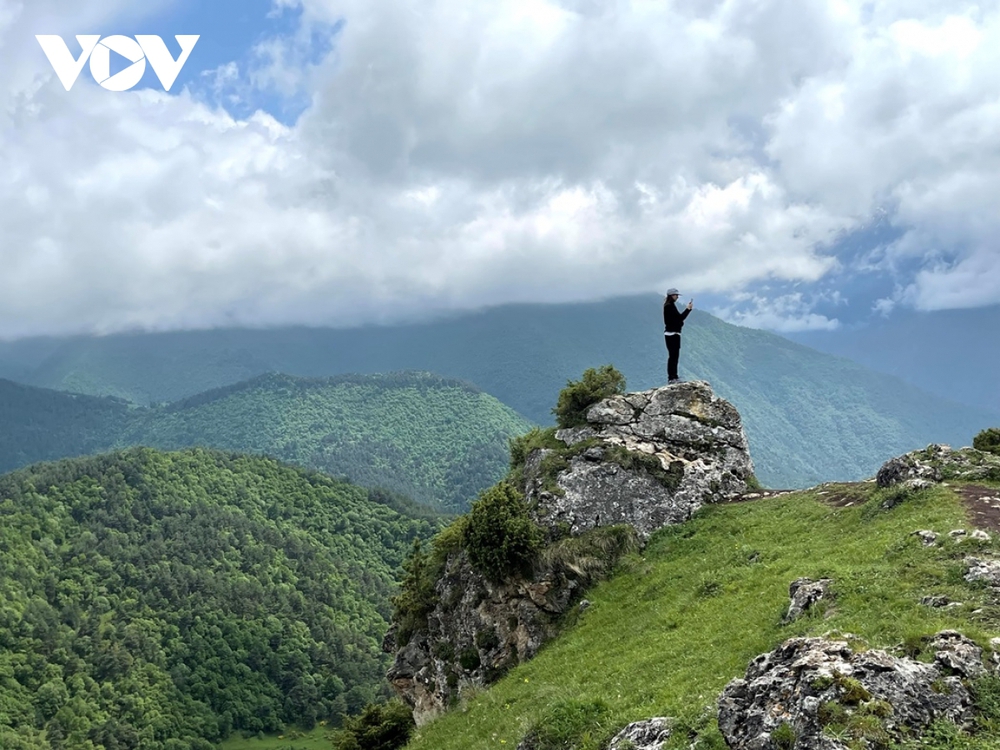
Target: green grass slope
(164,600)
(810,417)
(437,441)
(667,633)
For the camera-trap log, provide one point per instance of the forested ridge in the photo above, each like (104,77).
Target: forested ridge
(810,417)
(37,424)
(435,440)
(163,600)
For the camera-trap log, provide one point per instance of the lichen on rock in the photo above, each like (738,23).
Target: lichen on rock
(819,694)
(937,463)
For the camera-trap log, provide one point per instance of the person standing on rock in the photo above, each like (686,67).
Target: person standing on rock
(673,322)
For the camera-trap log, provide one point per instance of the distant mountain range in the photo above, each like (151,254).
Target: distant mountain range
(952,353)
(437,441)
(810,417)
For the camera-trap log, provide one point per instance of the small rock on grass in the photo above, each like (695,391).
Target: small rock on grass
(651,734)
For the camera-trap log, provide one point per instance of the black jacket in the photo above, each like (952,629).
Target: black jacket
(673,321)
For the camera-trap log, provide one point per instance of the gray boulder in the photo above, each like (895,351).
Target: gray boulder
(807,685)
(803,594)
(651,734)
(476,632)
(937,463)
(980,569)
(647,459)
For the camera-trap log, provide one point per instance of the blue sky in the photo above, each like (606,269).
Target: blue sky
(791,164)
(230,32)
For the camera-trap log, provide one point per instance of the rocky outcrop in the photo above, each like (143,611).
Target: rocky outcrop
(479,629)
(651,734)
(985,570)
(803,594)
(646,459)
(790,695)
(937,463)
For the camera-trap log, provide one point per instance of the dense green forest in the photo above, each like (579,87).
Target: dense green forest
(37,424)
(437,441)
(164,600)
(810,417)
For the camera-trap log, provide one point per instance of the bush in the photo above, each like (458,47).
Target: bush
(580,395)
(421,571)
(988,440)
(380,726)
(416,596)
(574,724)
(500,537)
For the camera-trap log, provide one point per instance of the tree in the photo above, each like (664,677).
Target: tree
(500,537)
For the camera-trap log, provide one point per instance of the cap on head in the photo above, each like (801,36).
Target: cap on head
(671,292)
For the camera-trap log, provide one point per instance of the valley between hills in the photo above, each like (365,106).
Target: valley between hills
(197,593)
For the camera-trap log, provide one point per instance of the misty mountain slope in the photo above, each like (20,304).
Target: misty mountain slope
(810,417)
(953,353)
(38,424)
(438,441)
(851,418)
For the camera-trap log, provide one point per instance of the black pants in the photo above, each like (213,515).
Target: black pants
(674,353)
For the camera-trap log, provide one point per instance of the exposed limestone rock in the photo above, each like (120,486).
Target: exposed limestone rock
(978,569)
(935,600)
(927,537)
(937,463)
(810,683)
(477,631)
(804,593)
(646,459)
(651,734)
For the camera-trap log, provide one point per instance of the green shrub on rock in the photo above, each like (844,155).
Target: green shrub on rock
(988,440)
(580,395)
(500,537)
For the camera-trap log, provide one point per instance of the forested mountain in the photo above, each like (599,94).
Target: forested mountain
(434,440)
(810,416)
(37,424)
(163,600)
(438,441)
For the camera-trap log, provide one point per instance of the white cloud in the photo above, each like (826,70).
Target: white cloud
(461,154)
(786,313)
